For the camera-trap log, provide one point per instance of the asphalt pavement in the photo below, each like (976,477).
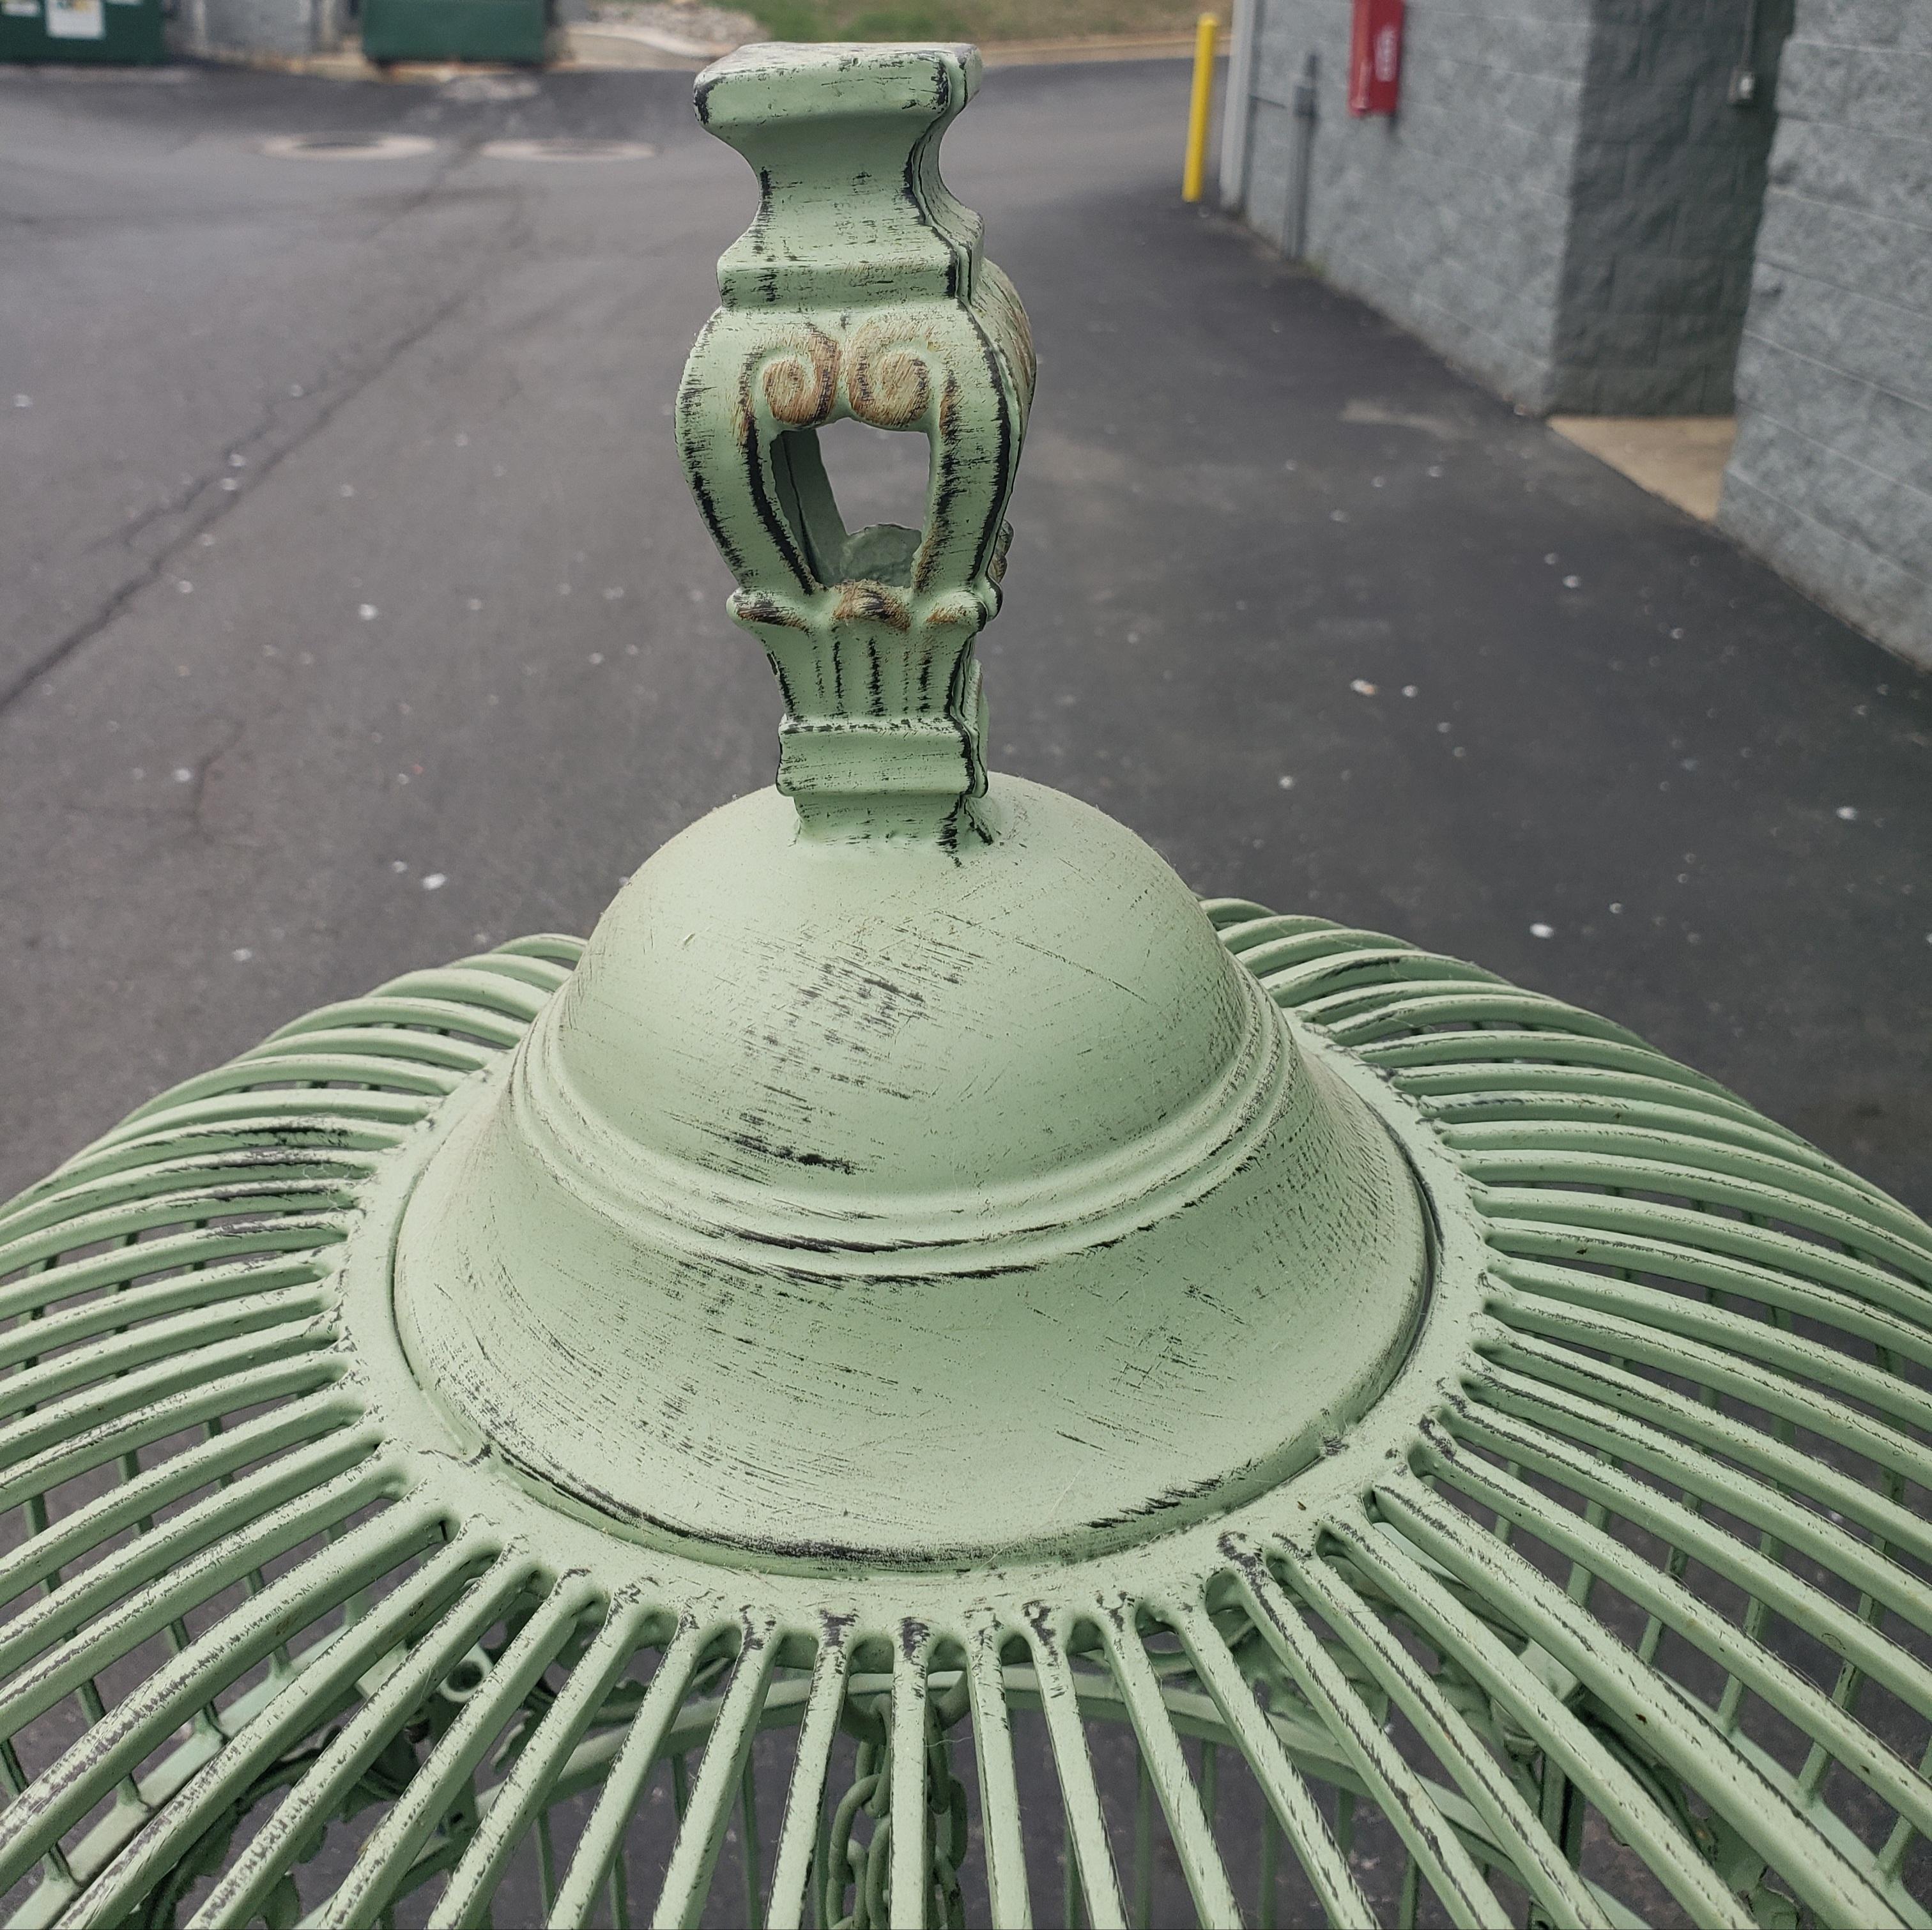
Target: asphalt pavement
(353,613)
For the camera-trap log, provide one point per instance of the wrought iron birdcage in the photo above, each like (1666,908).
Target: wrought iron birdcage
(923,1376)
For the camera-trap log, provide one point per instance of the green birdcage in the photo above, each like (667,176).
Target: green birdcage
(924,1376)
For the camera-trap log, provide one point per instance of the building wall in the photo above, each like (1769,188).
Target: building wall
(1565,203)
(1667,180)
(1831,476)
(1452,217)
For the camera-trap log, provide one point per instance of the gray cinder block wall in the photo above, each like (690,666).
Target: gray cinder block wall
(1565,203)
(1831,478)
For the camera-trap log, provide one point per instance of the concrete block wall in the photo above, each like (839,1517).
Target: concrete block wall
(1566,203)
(1667,181)
(1454,218)
(1831,478)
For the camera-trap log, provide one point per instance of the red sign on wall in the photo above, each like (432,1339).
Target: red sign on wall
(1375,57)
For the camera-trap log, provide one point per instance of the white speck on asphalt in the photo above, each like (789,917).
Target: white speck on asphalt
(596,656)
(1848,811)
(398,864)
(1573,583)
(612,595)
(1458,752)
(563,589)
(349,489)
(1551,557)
(1338,515)
(479,937)
(1286,782)
(435,882)
(295,390)
(1540,931)
(462,441)
(207,541)
(183,586)
(1444,728)
(366,611)
(1377,482)
(229,482)
(1411,690)
(475,602)
(238,462)
(1676,635)
(1617,909)
(23,402)
(183,774)
(1434,469)
(1362,687)
(242,955)
(630,650)
(139,773)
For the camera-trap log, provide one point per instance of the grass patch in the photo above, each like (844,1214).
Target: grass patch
(971,19)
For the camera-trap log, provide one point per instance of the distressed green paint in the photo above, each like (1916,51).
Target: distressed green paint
(913,1287)
(861,291)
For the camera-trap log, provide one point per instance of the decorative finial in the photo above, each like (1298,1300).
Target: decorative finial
(860,290)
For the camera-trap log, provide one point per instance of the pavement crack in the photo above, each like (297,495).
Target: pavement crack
(224,502)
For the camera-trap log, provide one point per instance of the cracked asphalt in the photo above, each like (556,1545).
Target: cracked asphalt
(355,614)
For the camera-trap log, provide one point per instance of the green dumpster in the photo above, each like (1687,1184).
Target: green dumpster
(119,32)
(519,32)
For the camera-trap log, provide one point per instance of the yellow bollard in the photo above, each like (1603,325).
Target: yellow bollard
(1198,108)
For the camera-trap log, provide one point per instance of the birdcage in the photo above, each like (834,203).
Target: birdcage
(924,1375)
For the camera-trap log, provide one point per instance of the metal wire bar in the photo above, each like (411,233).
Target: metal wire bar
(1510,1047)
(162,1417)
(123,1310)
(394,1048)
(374,1880)
(1674,1726)
(1775,1392)
(1163,1765)
(270,1075)
(694,1854)
(275,1847)
(119,1217)
(1463,1090)
(62,1666)
(1630,1808)
(1700,1170)
(1399,1790)
(1760,1496)
(403,1011)
(1290,1801)
(229,1511)
(1766,1342)
(1001,1837)
(1360,1017)
(158,1155)
(305,1701)
(1532,1251)
(604,1835)
(70,1788)
(38,1559)
(80,1432)
(249,1110)
(532,1780)
(1738,1652)
(1099,1883)
(1537,1861)
(818,1730)
(168,1338)
(911,1867)
(1508,1208)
